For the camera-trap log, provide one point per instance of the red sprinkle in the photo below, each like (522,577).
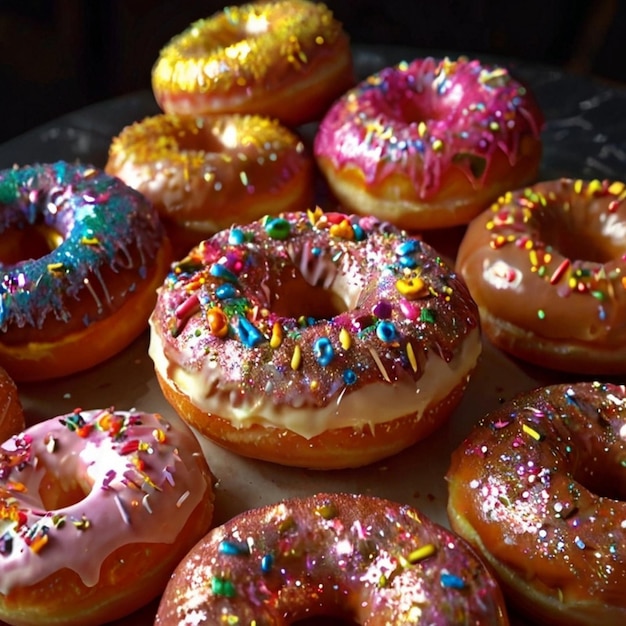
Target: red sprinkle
(559,272)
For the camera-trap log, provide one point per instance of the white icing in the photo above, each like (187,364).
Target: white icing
(360,409)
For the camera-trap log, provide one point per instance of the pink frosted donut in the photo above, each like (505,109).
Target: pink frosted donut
(430,143)
(351,556)
(314,339)
(96,509)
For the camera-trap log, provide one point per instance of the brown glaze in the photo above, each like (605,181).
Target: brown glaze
(333,555)
(11,411)
(547,267)
(538,487)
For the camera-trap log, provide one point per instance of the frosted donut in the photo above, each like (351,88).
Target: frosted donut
(11,411)
(349,556)
(429,144)
(205,173)
(288,59)
(96,509)
(312,339)
(547,266)
(81,256)
(538,488)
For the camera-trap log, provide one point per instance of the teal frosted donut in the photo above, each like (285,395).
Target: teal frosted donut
(81,255)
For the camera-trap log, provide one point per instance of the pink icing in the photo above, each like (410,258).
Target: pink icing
(142,479)
(425,117)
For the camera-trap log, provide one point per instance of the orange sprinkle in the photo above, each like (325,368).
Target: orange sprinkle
(218,322)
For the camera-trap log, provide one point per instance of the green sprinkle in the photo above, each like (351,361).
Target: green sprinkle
(428,315)
(223,587)
(277,228)
(598,295)
(541,314)
(8,190)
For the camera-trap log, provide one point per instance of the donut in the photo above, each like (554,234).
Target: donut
(342,555)
(205,173)
(97,507)
(11,410)
(287,60)
(430,143)
(547,266)
(538,489)
(314,339)
(86,256)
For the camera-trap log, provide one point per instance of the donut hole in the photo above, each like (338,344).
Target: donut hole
(576,238)
(602,474)
(203,139)
(297,297)
(31,241)
(59,491)
(422,108)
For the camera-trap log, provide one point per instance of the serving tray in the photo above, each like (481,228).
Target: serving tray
(584,136)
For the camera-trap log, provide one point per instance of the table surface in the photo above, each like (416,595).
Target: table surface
(585,136)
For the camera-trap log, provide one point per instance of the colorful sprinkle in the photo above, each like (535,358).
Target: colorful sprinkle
(323,351)
(277,228)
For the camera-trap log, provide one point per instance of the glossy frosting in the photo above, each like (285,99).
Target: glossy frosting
(311,321)
(140,476)
(101,226)
(248,58)
(421,119)
(539,486)
(11,411)
(205,173)
(550,260)
(340,555)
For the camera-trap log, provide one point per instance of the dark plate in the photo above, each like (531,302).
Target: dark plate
(585,136)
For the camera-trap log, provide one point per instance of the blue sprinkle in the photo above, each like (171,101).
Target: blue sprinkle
(410,246)
(234,548)
(267,562)
(359,233)
(323,351)
(580,543)
(236,237)
(226,291)
(6,544)
(349,377)
(316,251)
(220,271)
(408,262)
(386,331)
(249,335)
(451,581)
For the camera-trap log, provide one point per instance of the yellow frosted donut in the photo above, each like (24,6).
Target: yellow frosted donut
(204,174)
(287,59)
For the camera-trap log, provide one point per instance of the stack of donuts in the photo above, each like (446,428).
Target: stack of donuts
(268,235)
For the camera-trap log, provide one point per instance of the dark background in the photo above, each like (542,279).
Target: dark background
(59,55)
